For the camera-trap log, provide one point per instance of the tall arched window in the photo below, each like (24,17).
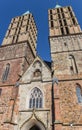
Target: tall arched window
(36,98)
(79,93)
(73,66)
(6,72)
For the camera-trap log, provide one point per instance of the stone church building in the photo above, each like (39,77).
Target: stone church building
(37,94)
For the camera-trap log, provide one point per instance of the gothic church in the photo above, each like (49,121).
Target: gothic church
(36,94)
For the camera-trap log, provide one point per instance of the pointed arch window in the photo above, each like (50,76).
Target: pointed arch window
(79,93)
(36,98)
(6,72)
(73,66)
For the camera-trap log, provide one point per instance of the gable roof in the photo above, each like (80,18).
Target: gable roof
(45,70)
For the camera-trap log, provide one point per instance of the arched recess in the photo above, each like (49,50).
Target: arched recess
(35,127)
(28,125)
(37,70)
(37,64)
(73,65)
(37,73)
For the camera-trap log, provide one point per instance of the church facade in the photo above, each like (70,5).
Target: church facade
(37,94)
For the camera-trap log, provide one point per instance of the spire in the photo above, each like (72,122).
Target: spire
(27,12)
(57,5)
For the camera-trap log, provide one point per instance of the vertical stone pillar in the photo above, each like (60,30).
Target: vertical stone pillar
(57,114)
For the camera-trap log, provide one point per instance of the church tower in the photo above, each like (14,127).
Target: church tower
(25,79)
(17,52)
(65,38)
(22,29)
(19,42)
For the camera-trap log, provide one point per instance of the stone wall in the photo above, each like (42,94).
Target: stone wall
(42,114)
(19,56)
(71,110)
(66,53)
(66,43)
(66,106)
(62,63)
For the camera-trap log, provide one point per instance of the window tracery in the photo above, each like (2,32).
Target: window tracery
(36,98)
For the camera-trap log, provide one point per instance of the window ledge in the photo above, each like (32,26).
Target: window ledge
(36,109)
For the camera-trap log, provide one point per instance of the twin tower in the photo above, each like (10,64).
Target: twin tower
(38,95)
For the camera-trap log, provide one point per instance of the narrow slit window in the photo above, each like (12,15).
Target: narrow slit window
(52,25)
(51,17)
(67,30)
(51,12)
(60,22)
(58,11)
(65,22)
(79,93)
(62,31)
(71,14)
(62,10)
(6,72)
(69,8)
(73,66)
(74,22)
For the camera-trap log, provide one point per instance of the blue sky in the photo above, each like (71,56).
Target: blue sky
(39,8)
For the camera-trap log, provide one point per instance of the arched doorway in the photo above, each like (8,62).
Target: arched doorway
(35,128)
(33,125)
